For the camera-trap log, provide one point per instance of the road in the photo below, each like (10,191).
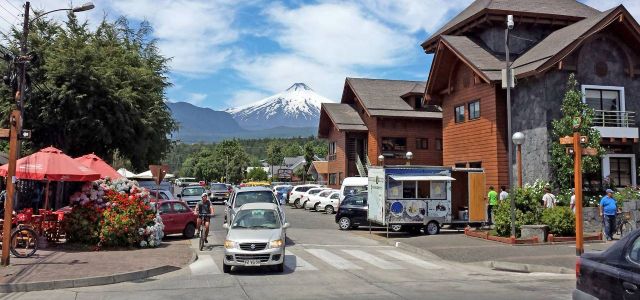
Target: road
(325,263)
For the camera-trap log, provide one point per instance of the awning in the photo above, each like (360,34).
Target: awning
(421,178)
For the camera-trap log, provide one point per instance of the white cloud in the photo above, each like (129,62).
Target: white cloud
(245,97)
(196,98)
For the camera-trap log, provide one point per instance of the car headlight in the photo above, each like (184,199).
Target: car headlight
(276,244)
(230,244)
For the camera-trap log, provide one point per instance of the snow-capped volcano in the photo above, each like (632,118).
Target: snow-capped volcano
(298,106)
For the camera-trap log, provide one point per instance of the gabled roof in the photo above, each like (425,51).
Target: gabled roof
(344,116)
(563,41)
(563,8)
(321,167)
(475,56)
(383,97)
(294,161)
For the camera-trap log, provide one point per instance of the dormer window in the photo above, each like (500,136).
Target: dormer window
(419,102)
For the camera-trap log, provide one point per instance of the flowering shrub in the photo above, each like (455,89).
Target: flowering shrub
(113,213)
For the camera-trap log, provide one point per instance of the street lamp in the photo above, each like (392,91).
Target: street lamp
(507,78)
(409,157)
(381,160)
(81,8)
(518,139)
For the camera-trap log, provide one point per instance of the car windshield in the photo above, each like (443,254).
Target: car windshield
(281,188)
(193,192)
(313,192)
(352,190)
(256,218)
(254,197)
(218,186)
(325,193)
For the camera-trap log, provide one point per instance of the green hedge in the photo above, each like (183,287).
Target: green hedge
(561,220)
(528,209)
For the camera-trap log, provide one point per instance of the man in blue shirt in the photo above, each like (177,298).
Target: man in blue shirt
(608,209)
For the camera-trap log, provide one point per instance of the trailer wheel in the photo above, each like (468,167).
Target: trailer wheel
(432,228)
(395,227)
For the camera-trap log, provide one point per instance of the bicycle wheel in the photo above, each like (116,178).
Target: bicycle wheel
(24,242)
(202,237)
(625,228)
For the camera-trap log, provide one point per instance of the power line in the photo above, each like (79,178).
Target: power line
(1,17)
(10,13)
(19,11)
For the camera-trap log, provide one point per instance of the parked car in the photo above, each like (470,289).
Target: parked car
(330,203)
(219,192)
(296,193)
(161,194)
(353,185)
(248,195)
(256,237)
(177,218)
(191,195)
(352,212)
(185,181)
(282,192)
(610,274)
(306,196)
(314,200)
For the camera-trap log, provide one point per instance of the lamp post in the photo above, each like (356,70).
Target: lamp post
(16,119)
(508,76)
(381,160)
(518,139)
(409,157)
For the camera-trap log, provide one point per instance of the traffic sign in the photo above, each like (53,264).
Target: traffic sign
(158,172)
(567,140)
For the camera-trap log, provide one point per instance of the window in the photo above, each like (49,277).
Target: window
(419,103)
(422,144)
(474,110)
(439,144)
(620,171)
(409,189)
(475,164)
(332,151)
(335,196)
(394,144)
(165,208)
(180,208)
(423,189)
(193,191)
(459,114)
(634,252)
(603,99)
(333,179)
(461,165)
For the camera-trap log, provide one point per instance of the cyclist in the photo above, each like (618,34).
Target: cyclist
(204,207)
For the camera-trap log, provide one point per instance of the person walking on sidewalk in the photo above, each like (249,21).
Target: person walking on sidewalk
(608,209)
(503,193)
(493,201)
(548,200)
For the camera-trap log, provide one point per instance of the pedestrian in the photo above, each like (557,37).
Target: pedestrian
(608,209)
(548,200)
(503,193)
(493,201)
(572,203)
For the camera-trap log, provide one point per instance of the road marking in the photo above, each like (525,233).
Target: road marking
(409,259)
(296,263)
(204,266)
(333,259)
(373,260)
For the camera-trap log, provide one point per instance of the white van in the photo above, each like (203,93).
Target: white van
(353,185)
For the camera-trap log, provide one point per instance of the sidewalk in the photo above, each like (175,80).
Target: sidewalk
(60,266)
(454,246)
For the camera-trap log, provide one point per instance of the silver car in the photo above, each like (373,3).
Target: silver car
(247,195)
(256,237)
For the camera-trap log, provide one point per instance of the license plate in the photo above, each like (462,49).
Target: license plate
(220,197)
(252,262)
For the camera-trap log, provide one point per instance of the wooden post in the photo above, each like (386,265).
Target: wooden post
(519,158)
(577,177)
(11,186)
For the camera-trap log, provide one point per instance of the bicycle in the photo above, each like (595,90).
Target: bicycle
(623,226)
(201,230)
(23,242)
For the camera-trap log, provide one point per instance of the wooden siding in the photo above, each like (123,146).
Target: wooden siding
(339,164)
(411,129)
(480,140)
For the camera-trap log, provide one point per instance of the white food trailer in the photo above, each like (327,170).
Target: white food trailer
(409,198)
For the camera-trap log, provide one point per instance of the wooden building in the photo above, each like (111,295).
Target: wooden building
(379,117)
(551,39)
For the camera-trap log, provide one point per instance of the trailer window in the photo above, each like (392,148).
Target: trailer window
(438,190)
(395,187)
(423,189)
(409,189)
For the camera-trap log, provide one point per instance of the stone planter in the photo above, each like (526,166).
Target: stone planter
(530,231)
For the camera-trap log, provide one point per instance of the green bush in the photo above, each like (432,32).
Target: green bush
(528,209)
(561,220)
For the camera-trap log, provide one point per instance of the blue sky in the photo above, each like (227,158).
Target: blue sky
(232,52)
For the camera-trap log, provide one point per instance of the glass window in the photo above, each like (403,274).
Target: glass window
(439,144)
(474,110)
(461,165)
(335,196)
(475,164)
(459,113)
(419,103)
(424,189)
(218,186)
(193,191)
(325,193)
(254,197)
(180,208)
(352,190)
(358,200)
(165,208)
(634,253)
(256,218)
(302,188)
(394,144)
(422,144)
(620,171)
(333,178)
(395,187)
(409,189)
(603,99)
(438,190)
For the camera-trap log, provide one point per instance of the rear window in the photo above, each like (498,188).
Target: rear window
(314,192)
(218,186)
(254,197)
(352,190)
(193,192)
(303,188)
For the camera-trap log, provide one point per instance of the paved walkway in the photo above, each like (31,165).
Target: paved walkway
(455,246)
(60,264)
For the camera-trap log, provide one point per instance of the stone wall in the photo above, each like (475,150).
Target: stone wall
(592,222)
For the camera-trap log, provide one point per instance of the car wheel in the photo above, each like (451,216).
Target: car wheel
(304,205)
(189,231)
(315,207)
(329,210)
(296,203)
(226,268)
(432,228)
(344,223)
(395,227)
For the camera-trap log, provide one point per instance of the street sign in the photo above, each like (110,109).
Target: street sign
(4,133)
(158,172)
(589,151)
(567,140)
(584,139)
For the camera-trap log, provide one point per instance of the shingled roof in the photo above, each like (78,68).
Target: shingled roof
(566,8)
(344,116)
(476,56)
(383,97)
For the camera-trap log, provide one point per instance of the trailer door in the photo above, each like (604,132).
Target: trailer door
(477,202)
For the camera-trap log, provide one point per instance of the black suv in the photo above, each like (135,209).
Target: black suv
(352,211)
(219,192)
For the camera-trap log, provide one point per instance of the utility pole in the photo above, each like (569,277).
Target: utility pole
(508,77)
(14,144)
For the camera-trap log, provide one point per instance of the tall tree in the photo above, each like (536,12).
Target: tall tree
(275,155)
(231,161)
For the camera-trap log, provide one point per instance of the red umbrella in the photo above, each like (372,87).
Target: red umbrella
(96,163)
(51,164)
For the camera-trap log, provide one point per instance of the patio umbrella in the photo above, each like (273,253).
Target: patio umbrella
(126,173)
(96,163)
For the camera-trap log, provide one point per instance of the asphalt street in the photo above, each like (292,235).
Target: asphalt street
(325,263)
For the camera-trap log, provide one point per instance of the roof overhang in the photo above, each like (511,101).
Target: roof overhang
(421,178)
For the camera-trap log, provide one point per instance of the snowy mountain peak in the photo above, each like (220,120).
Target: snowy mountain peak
(299,86)
(298,106)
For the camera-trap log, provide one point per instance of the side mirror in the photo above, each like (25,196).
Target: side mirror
(179,195)
(286,225)
(225,226)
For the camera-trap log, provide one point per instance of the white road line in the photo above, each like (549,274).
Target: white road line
(296,263)
(333,259)
(409,259)
(373,260)
(204,265)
